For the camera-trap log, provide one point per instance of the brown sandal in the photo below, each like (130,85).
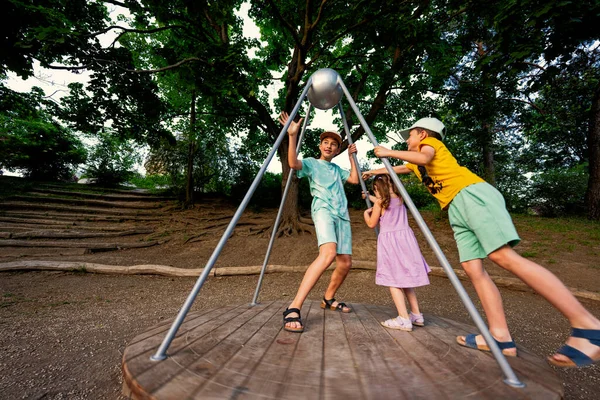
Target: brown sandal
(340,306)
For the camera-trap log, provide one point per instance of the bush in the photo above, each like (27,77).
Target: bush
(154,183)
(32,141)
(418,193)
(111,161)
(268,192)
(559,192)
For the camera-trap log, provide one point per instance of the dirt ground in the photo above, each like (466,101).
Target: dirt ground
(62,334)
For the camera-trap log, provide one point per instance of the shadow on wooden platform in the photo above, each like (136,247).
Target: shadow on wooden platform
(242,352)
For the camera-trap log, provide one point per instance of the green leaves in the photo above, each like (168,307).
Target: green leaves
(33,143)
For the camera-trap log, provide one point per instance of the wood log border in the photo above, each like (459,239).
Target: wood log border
(163,270)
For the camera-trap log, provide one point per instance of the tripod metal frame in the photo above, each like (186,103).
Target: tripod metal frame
(509,375)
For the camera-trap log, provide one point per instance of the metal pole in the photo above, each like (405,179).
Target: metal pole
(161,352)
(355,158)
(510,377)
(280,211)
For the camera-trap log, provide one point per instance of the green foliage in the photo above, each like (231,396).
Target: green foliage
(111,161)
(11,185)
(559,192)
(354,196)
(268,192)
(555,129)
(419,193)
(154,183)
(32,142)
(513,81)
(48,31)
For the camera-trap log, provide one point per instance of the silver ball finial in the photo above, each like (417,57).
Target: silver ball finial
(325,92)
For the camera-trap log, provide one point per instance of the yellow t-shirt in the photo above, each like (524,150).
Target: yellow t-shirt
(447,176)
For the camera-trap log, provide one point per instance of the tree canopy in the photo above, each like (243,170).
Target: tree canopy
(516,82)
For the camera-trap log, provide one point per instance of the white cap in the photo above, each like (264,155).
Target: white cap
(433,124)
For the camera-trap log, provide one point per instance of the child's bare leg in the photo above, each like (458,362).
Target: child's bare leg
(411,295)
(399,301)
(555,292)
(343,264)
(327,253)
(491,301)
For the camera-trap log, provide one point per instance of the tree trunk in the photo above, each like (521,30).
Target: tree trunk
(487,139)
(489,171)
(189,187)
(592,195)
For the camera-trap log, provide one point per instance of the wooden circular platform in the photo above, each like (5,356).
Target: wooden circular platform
(242,352)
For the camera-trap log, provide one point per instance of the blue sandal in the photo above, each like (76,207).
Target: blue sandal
(470,342)
(576,357)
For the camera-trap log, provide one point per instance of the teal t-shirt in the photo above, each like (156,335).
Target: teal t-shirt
(326,186)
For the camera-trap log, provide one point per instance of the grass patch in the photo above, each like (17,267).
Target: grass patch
(560,225)
(8,299)
(569,247)
(529,254)
(12,185)
(80,270)
(59,303)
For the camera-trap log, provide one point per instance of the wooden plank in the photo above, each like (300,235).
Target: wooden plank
(374,374)
(541,381)
(416,382)
(243,353)
(340,376)
(268,378)
(232,379)
(190,322)
(488,368)
(138,355)
(194,376)
(195,344)
(429,359)
(475,367)
(304,374)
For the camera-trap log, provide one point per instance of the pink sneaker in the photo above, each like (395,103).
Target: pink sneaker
(417,319)
(399,323)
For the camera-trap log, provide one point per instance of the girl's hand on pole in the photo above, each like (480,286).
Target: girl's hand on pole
(294,126)
(367,174)
(364,195)
(381,151)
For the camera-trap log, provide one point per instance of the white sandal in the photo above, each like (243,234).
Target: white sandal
(417,319)
(399,323)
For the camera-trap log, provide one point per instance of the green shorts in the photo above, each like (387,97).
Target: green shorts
(331,228)
(480,222)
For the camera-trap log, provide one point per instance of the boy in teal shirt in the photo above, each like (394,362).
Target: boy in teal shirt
(330,214)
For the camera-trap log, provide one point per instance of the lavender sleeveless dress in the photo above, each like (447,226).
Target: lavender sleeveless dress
(399,260)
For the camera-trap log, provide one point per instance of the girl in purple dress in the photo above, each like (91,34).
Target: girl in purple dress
(400,264)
